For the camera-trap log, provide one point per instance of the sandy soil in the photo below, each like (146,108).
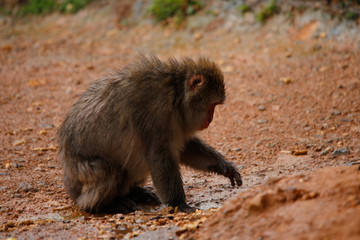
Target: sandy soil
(293,107)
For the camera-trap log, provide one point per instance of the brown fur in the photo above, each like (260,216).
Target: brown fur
(138,122)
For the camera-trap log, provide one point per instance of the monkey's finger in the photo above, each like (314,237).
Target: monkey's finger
(232,181)
(238,178)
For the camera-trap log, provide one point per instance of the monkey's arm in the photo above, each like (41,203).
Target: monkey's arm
(165,174)
(201,156)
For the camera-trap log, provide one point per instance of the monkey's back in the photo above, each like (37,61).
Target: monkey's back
(115,116)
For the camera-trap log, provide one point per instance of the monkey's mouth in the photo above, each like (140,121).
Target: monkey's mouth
(209,119)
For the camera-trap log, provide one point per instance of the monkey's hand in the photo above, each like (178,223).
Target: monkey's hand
(227,170)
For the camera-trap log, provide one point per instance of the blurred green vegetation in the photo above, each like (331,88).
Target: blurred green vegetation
(349,15)
(178,10)
(72,6)
(39,7)
(164,9)
(267,11)
(243,8)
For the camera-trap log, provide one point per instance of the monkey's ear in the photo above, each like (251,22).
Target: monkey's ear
(196,81)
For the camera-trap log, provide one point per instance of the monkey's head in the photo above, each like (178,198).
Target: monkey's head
(204,89)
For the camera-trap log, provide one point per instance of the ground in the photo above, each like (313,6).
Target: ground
(292,108)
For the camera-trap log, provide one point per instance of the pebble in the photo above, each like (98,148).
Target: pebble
(262,108)
(26,187)
(340,151)
(345,120)
(326,151)
(240,167)
(18,165)
(336,113)
(261,121)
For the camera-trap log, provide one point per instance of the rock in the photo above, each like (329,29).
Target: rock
(340,151)
(17,165)
(336,113)
(345,120)
(285,80)
(299,152)
(260,121)
(26,187)
(262,108)
(324,152)
(240,167)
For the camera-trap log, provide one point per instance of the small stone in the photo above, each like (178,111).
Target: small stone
(299,152)
(261,121)
(317,148)
(161,221)
(288,54)
(323,68)
(68,90)
(262,108)
(197,36)
(340,151)
(322,35)
(344,120)
(237,149)
(26,187)
(43,132)
(285,80)
(19,142)
(240,167)
(18,165)
(324,152)
(275,107)
(336,113)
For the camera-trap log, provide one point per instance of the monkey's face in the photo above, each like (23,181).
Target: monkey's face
(205,90)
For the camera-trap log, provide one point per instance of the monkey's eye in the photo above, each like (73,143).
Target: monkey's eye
(196,81)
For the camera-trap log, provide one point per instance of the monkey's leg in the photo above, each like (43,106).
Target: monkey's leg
(165,174)
(143,196)
(201,156)
(100,184)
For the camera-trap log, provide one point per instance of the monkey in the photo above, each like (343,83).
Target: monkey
(138,122)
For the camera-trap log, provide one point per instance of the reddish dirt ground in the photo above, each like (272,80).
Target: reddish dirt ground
(293,207)
(293,107)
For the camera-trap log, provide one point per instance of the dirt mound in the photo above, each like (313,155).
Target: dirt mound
(321,205)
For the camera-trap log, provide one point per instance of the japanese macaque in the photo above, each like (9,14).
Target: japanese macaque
(137,122)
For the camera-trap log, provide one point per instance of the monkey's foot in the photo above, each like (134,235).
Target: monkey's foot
(120,205)
(143,196)
(185,208)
